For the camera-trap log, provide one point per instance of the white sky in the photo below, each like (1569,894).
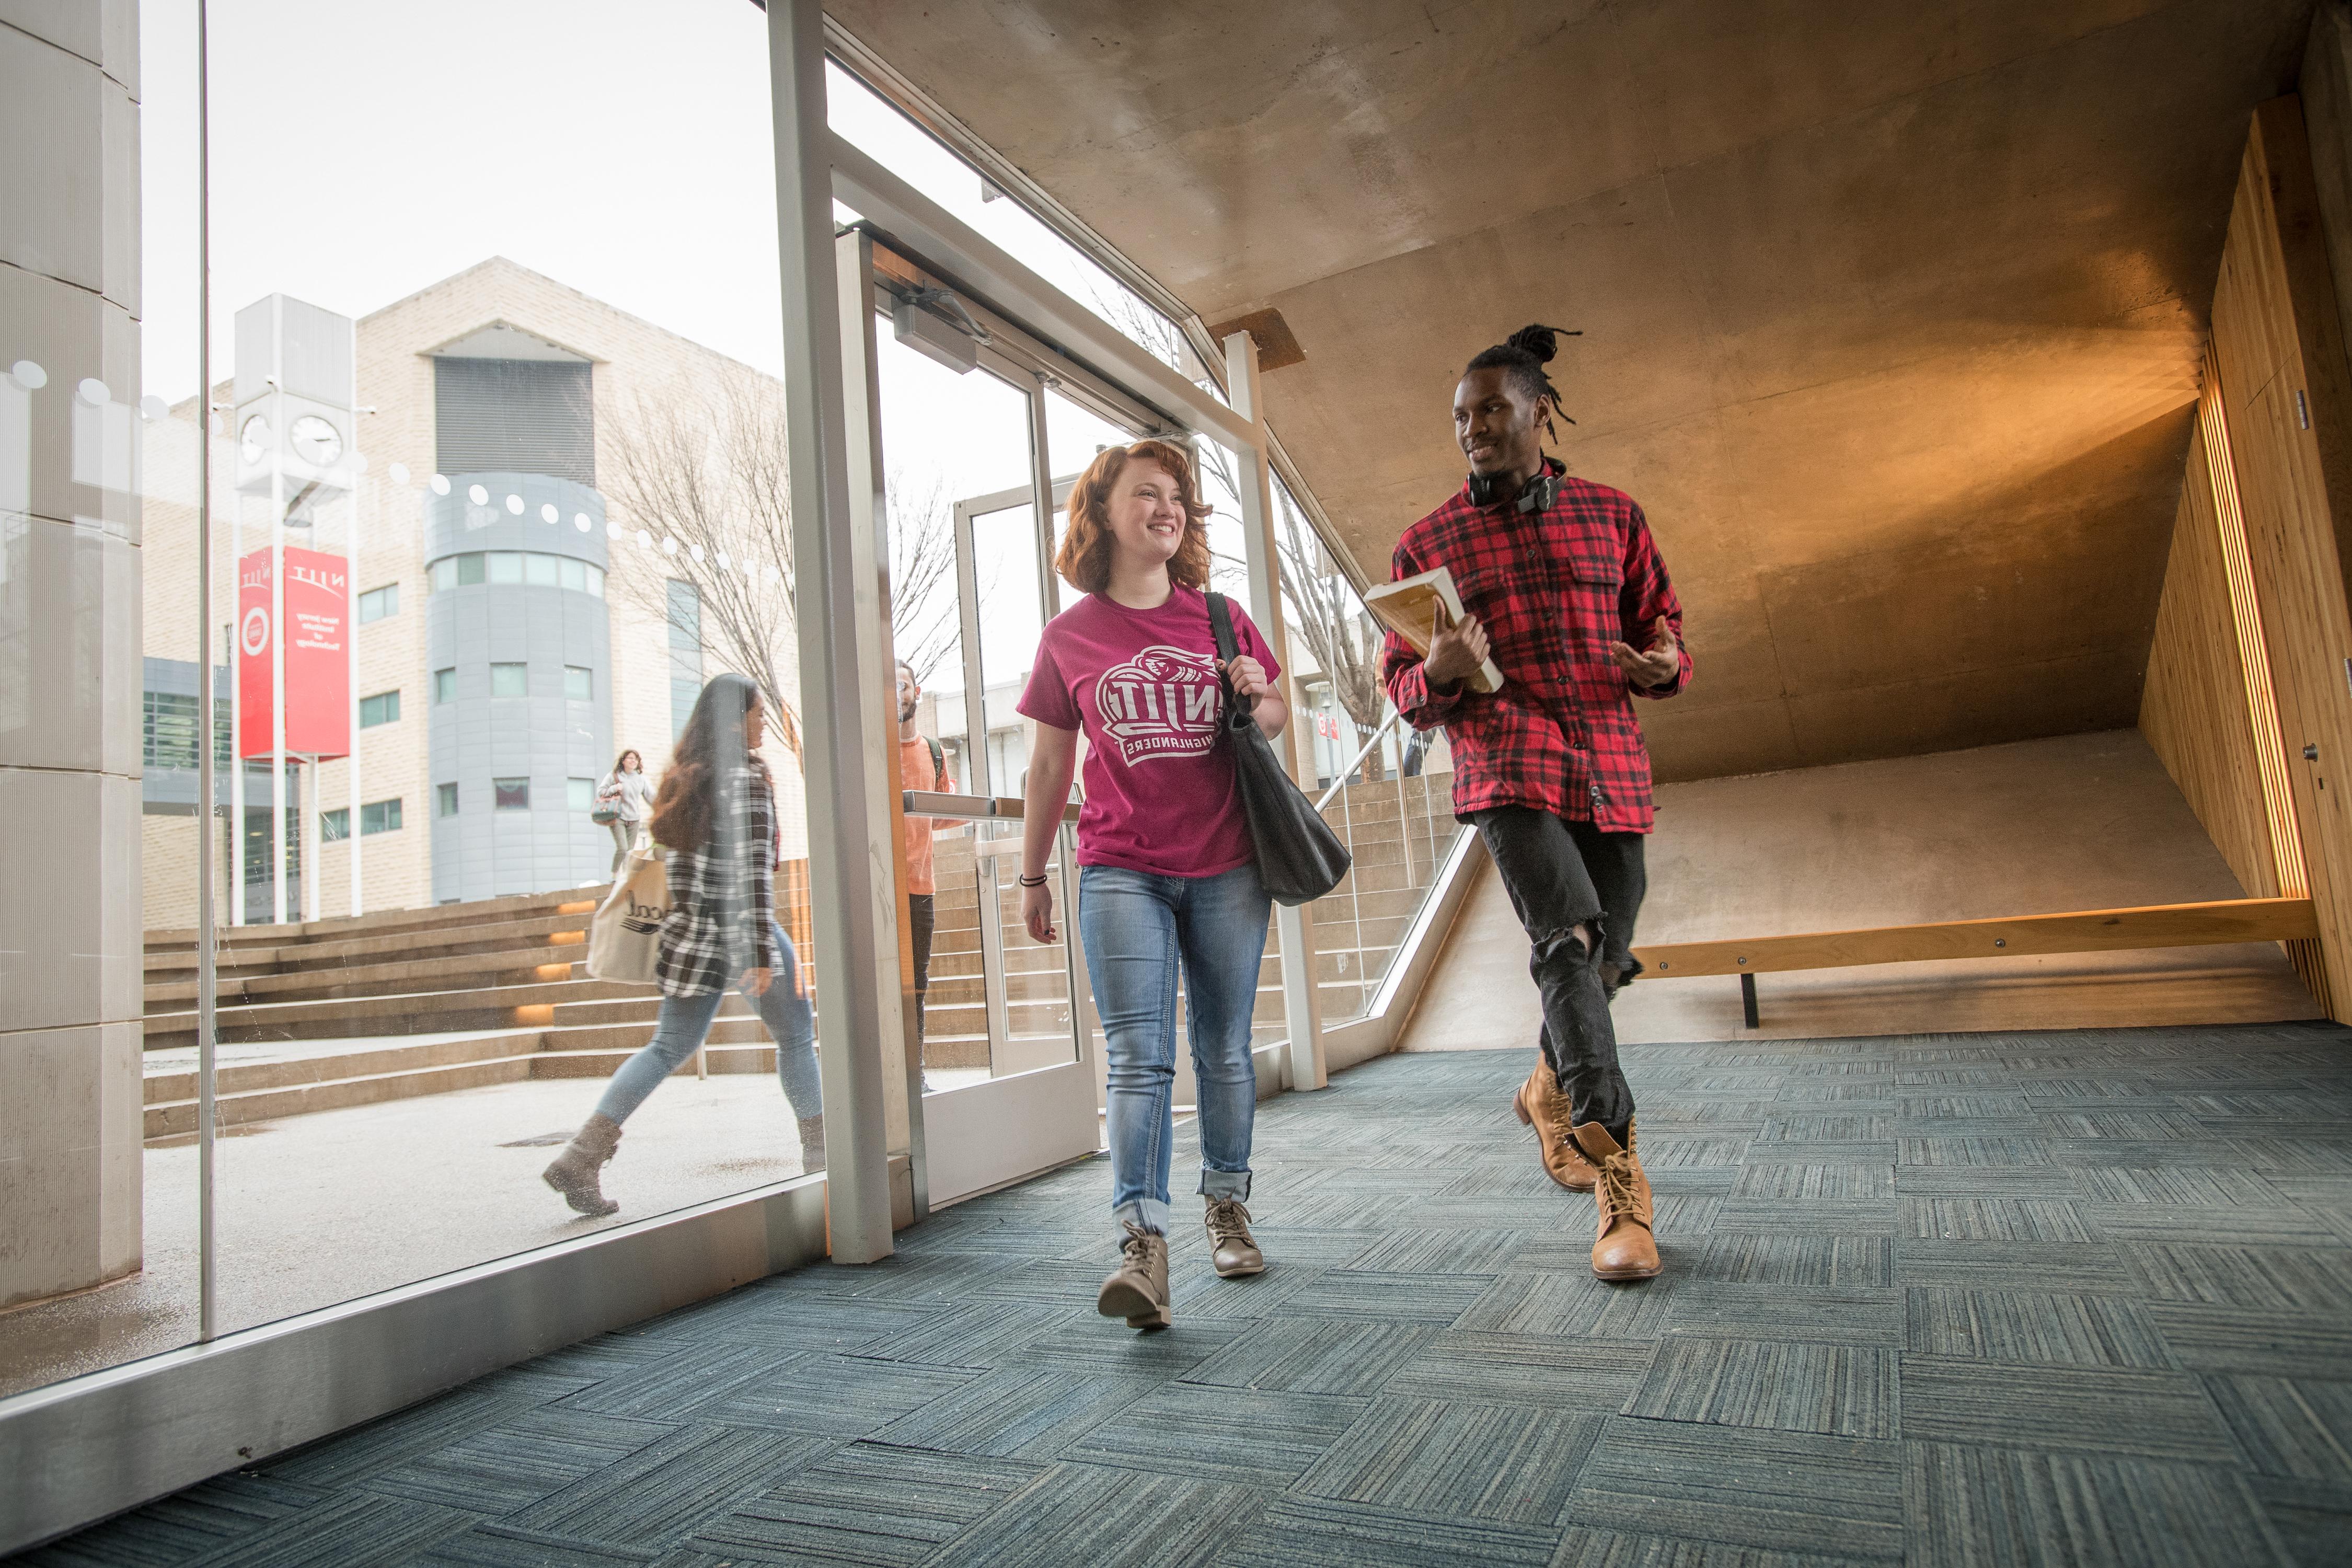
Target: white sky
(364,149)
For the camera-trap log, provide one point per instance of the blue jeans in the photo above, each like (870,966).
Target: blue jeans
(684,1024)
(1137,926)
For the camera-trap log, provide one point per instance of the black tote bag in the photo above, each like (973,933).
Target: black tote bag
(1299,858)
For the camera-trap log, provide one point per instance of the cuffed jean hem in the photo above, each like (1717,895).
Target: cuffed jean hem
(1224,1185)
(1144,1213)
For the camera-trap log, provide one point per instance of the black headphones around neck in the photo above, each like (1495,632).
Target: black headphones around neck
(1536,495)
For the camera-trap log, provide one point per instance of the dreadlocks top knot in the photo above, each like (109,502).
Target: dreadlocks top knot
(1524,356)
(1539,342)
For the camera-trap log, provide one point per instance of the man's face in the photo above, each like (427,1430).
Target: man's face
(908,694)
(1495,423)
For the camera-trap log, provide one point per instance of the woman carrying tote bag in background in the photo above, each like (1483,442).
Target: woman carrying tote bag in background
(1168,880)
(716,817)
(627,795)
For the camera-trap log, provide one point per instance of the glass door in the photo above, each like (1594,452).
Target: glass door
(1007,1082)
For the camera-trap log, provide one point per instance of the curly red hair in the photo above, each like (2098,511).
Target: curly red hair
(1084,558)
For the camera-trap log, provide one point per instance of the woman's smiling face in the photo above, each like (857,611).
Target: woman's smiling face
(1146,509)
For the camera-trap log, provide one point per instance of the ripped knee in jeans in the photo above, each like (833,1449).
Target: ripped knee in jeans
(1583,941)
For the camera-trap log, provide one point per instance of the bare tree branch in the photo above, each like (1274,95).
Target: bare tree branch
(925,624)
(703,489)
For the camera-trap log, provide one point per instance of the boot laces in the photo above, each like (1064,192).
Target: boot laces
(1618,1191)
(1228,1221)
(1136,1248)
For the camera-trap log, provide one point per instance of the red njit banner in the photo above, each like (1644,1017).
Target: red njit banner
(317,669)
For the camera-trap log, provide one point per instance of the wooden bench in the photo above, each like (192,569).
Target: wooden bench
(2084,930)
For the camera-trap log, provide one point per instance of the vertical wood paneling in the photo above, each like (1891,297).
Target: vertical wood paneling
(2280,351)
(2193,709)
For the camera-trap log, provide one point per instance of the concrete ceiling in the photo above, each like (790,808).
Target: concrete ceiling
(1891,311)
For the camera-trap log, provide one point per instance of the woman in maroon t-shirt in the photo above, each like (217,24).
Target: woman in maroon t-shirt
(1166,877)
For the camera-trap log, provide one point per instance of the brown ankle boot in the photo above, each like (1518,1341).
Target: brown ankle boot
(1540,1105)
(574,1172)
(1233,1251)
(1625,1249)
(812,1145)
(1138,1288)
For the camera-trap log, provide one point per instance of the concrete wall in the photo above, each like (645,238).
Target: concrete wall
(69,657)
(2081,822)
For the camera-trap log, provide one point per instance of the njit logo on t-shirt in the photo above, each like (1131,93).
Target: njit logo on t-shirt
(1163,702)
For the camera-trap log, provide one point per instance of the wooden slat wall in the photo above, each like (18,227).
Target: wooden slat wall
(2282,382)
(2193,709)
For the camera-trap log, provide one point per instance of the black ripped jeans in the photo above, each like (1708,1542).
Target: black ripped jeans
(1561,875)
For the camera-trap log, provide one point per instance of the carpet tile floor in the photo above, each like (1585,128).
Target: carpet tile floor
(2080,1298)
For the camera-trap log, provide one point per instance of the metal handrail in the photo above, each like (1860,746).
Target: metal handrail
(1340,782)
(973,807)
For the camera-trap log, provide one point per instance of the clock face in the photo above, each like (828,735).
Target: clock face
(255,438)
(315,441)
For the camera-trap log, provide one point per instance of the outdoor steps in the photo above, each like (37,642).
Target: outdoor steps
(487,1007)
(463,972)
(297,1086)
(429,917)
(179,965)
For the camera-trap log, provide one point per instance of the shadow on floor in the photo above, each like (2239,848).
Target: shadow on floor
(2080,1298)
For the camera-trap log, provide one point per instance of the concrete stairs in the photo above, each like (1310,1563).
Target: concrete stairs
(331,1014)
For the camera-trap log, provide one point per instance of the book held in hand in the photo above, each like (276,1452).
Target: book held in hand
(1417,608)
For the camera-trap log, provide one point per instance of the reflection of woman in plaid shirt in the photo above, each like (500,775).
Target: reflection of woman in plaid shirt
(716,817)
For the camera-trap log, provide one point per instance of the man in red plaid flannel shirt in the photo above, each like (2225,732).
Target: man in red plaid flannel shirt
(1562,587)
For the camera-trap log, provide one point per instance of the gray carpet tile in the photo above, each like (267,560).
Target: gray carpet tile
(1985,1181)
(1506,1464)
(356,1530)
(1992,1219)
(847,1397)
(2040,1326)
(2070,1297)
(2263,1345)
(516,1463)
(661,1388)
(2028,1265)
(1310,1532)
(867,1504)
(2111,1410)
(1078,1513)
(2284,1225)
(512,1546)
(1028,1411)
(1991,1508)
(1816,1180)
(1562,1303)
(1845,1390)
(1786,1491)
(1589,1376)
(183,1526)
(1584,1548)
(1247,1436)
(1404,1298)
(654,1497)
(977,1337)
(1868,1216)
(1796,1257)
(2312,1519)
(1820,1314)
(2288,1426)
(1313,1355)
(2295,1278)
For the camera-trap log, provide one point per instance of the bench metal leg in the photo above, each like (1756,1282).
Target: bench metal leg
(1748,998)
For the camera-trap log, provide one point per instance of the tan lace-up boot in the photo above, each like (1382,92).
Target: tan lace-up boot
(1540,1105)
(1234,1249)
(1138,1288)
(1625,1249)
(575,1171)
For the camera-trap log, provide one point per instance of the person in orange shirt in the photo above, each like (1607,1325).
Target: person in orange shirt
(923,766)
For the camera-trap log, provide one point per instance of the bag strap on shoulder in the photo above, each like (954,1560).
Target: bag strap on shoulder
(939,763)
(1221,622)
